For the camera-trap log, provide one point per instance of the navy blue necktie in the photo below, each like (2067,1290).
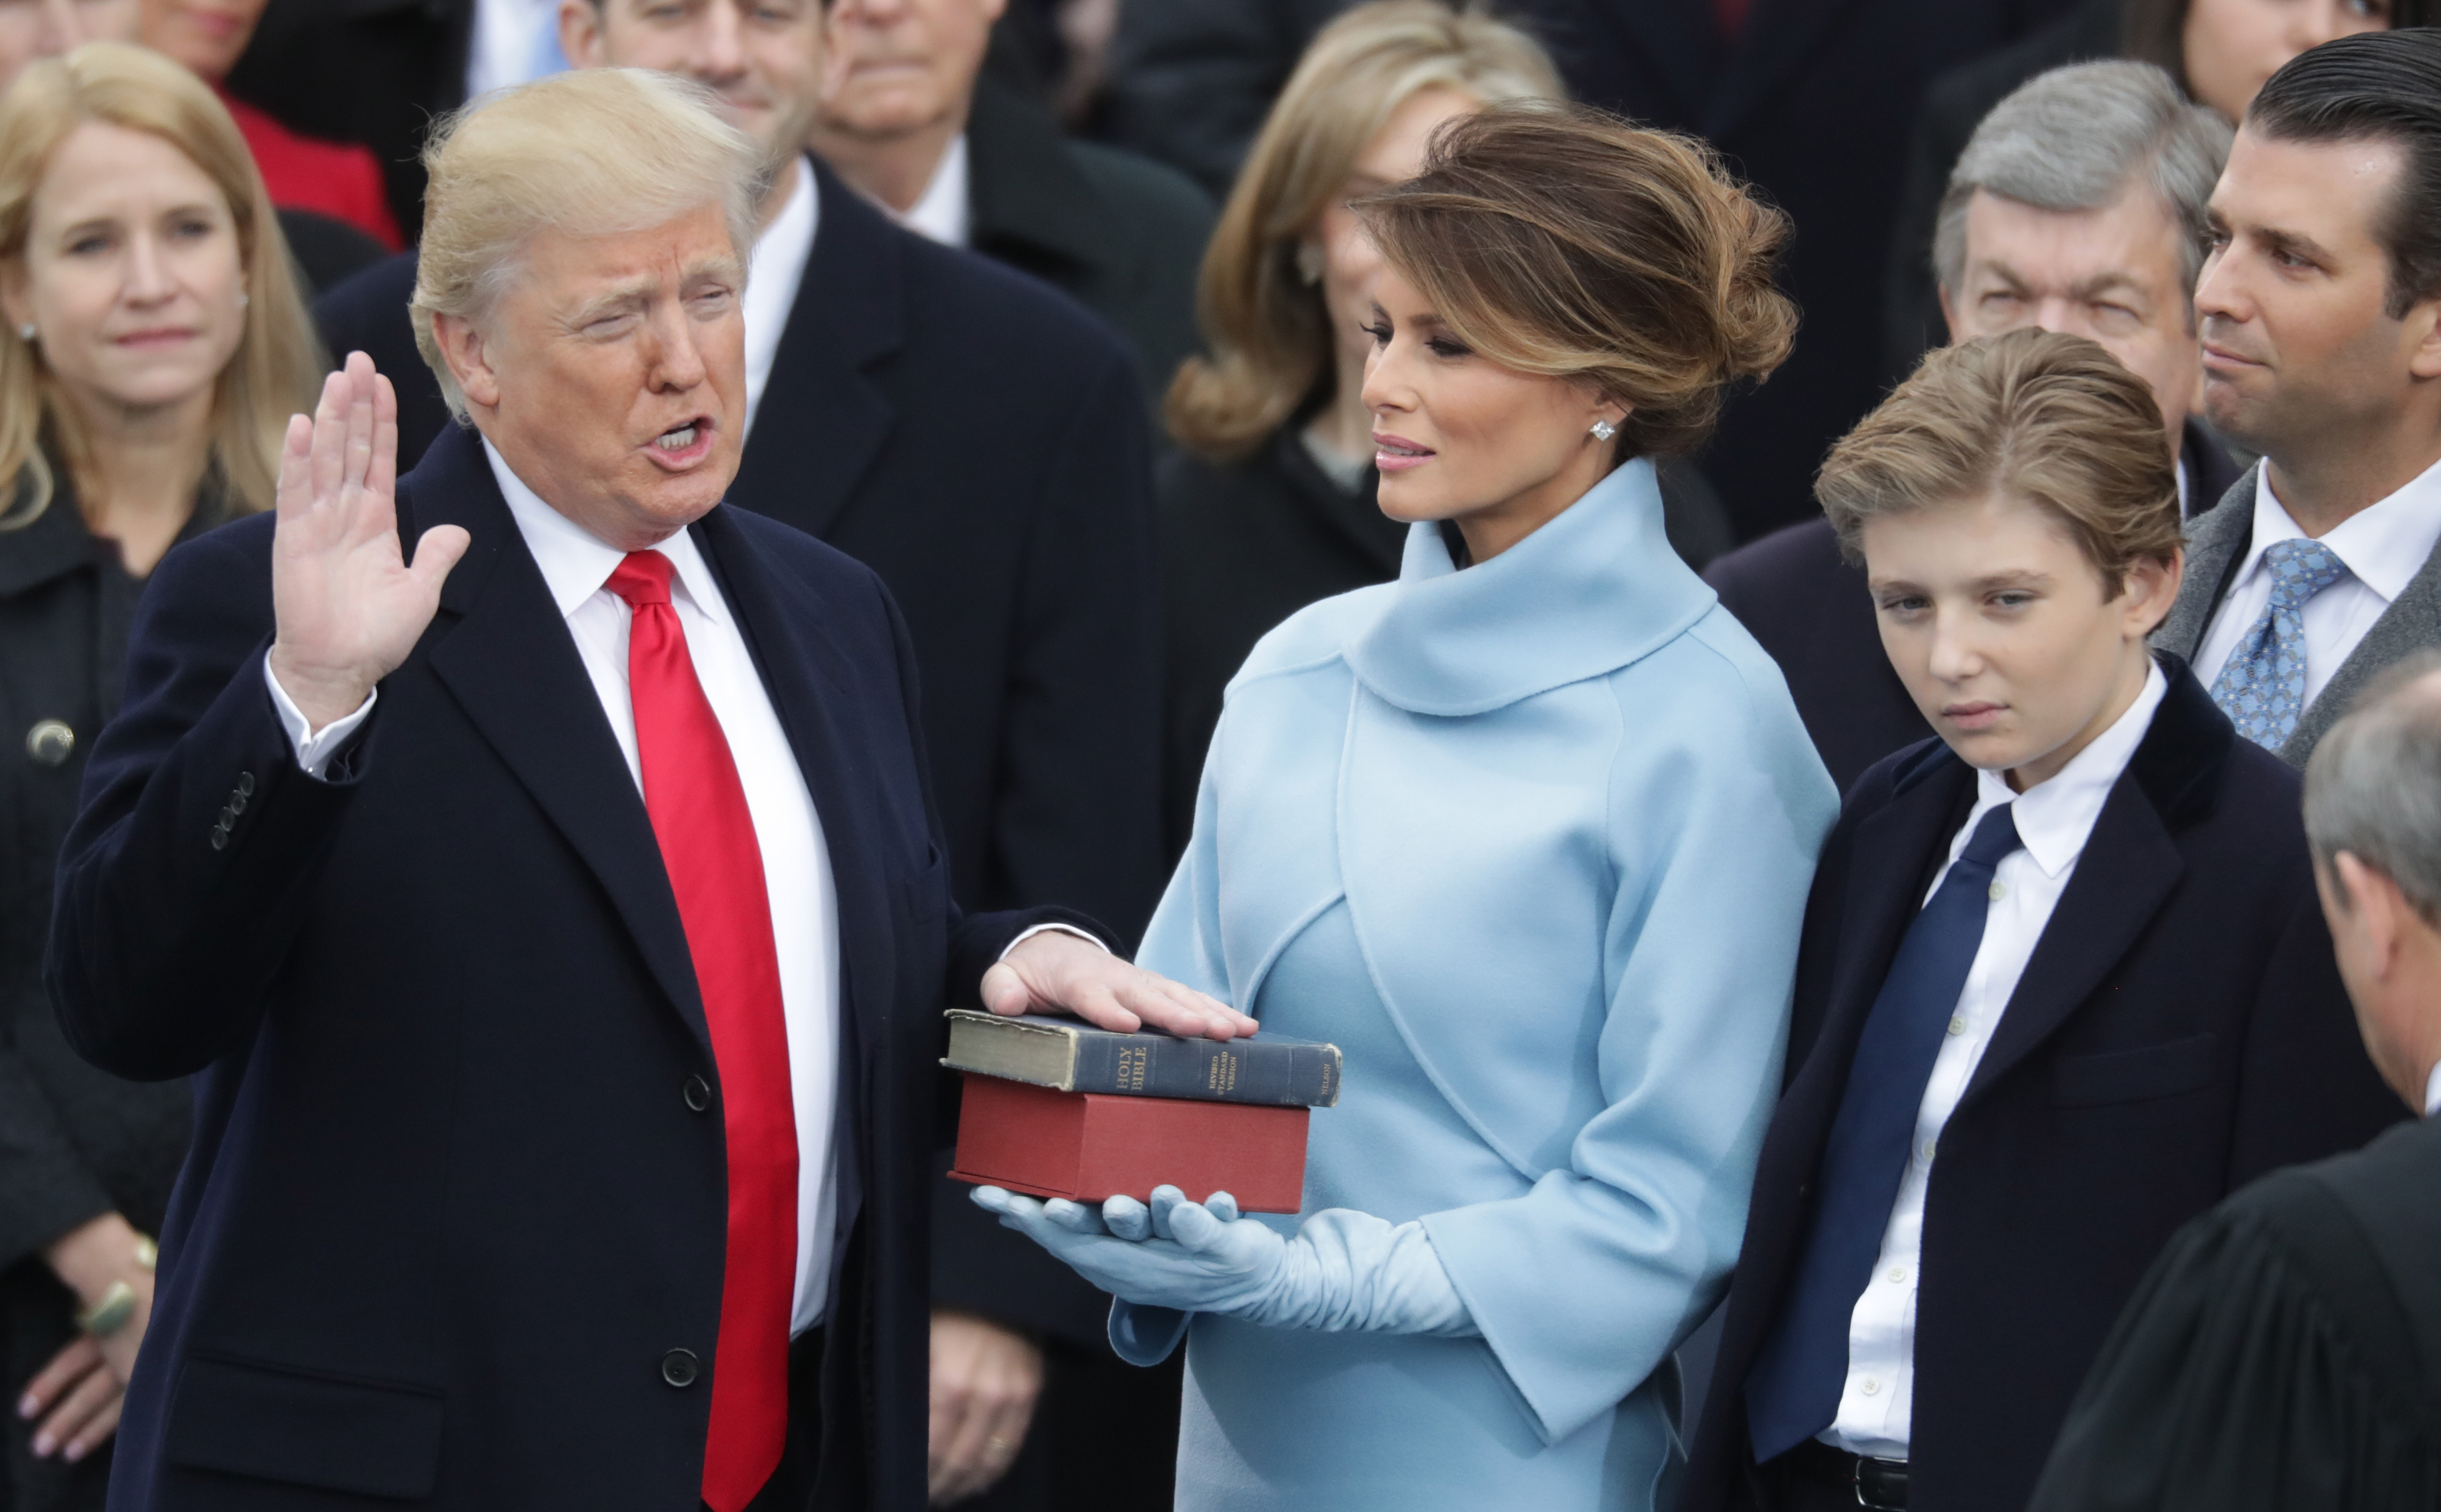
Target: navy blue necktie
(1794,1389)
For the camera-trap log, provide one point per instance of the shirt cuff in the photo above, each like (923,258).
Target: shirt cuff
(315,747)
(1028,934)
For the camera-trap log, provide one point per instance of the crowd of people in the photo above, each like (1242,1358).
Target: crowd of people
(1812,632)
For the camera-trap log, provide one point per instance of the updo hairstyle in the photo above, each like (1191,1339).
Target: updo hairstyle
(1563,241)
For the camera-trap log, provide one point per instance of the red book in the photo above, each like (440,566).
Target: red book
(1086,1146)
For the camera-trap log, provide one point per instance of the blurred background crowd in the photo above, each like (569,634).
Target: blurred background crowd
(1058,323)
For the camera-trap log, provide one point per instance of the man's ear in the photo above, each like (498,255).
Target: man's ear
(2378,909)
(581,25)
(1948,314)
(462,348)
(2424,330)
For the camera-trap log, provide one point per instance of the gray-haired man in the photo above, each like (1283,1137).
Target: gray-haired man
(2280,1354)
(2079,206)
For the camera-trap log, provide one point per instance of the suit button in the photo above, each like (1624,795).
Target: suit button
(220,839)
(698,1093)
(679,1368)
(51,742)
(236,804)
(245,784)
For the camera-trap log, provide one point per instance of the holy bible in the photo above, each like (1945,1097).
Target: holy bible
(1069,1056)
(1086,1146)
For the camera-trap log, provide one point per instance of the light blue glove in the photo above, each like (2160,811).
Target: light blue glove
(1342,1270)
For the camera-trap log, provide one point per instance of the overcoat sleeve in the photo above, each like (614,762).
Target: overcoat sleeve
(1583,1285)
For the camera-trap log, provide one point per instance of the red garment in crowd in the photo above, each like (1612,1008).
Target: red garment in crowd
(307,173)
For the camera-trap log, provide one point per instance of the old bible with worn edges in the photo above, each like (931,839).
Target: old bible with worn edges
(1069,1056)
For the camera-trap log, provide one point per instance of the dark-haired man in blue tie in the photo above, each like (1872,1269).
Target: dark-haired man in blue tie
(2064,983)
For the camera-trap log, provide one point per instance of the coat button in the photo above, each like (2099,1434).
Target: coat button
(245,783)
(236,804)
(220,839)
(679,1368)
(51,742)
(698,1093)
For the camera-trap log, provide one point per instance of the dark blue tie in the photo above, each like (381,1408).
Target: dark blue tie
(1792,1390)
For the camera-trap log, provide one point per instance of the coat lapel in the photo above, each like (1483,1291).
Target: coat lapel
(807,679)
(822,421)
(2216,540)
(1029,203)
(504,653)
(2412,622)
(2130,867)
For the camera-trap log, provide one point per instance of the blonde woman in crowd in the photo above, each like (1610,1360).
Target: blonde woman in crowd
(1528,834)
(155,348)
(1270,505)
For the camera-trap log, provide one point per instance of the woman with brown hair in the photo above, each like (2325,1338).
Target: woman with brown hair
(1269,504)
(155,347)
(1527,833)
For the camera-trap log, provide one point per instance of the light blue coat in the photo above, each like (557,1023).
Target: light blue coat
(1531,841)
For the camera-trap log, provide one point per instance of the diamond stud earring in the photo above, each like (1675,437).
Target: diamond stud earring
(1604,430)
(27,331)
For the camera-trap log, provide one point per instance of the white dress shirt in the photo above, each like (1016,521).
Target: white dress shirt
(2054,820)
(2432,1092)
(941,212)
(773,274)
(796,861)
(2382,547)
(513,42)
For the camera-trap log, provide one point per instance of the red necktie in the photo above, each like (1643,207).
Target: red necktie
(716,869)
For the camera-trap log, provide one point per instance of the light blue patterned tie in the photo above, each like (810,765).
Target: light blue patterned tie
(2262,689)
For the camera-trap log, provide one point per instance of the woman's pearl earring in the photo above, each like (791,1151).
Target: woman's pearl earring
(27,331)
(244,299)
(1604,430)
(1309,264)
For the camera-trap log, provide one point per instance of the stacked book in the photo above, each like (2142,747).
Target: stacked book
(1054,1108)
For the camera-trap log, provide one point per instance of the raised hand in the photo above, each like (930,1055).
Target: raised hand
(348,605)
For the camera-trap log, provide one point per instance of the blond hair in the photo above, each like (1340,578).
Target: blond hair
(1565,241)
(599,152)
(270,376)
(1266,326)
(2045,418)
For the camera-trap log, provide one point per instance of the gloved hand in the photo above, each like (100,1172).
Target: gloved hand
(1196,1257)
(1342,1270)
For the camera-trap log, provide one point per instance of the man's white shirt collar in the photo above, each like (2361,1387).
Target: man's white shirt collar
(2056,817)
(2383,546)
(941,213)
(576,563)
(2432,1092)
(775,274)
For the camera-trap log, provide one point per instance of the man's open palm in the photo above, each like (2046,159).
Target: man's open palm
(348,606)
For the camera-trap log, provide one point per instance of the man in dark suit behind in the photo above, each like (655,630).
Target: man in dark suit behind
(2322,329)
(915,124)
(2079,206)
(2063,984)
(563,962)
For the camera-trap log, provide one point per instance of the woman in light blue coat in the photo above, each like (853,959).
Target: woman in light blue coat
(1525,833)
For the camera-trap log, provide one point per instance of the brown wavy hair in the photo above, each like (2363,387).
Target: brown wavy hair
(277,367)
(1264,324)
(1563,241)
(2048,419)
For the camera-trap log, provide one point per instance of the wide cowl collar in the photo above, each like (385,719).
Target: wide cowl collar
(1593,591)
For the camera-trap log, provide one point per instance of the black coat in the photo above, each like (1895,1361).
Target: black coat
(2180,1030)
(2285,1353)
(448,1213)
(1811,611)
(1120,234)
(74,1144)
(370,71)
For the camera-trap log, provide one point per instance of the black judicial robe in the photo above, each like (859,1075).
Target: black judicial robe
(2284,1353)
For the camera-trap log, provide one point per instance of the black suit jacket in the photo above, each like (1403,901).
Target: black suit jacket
(448,1211)
(1121,235)
(1810,610)
(2180,1030)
